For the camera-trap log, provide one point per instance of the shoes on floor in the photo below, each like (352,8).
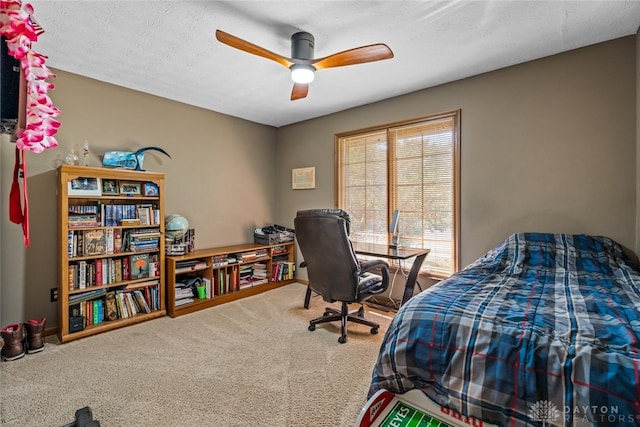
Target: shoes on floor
(14,342)
(21,338)
(35,335)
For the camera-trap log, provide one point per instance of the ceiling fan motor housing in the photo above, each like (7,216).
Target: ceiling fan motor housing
(302,44)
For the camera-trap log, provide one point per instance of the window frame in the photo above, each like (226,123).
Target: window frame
(456,176)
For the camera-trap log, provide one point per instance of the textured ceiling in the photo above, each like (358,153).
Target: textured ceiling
(169,49)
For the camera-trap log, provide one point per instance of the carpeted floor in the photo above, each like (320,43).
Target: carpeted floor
(247,363)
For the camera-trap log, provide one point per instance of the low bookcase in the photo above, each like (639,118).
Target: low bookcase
(208,277)
(111,253)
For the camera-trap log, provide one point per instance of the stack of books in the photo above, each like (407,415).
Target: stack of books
(143,239)
(246,274)
(259,275)
(184,293)
(246,256)
(220,260)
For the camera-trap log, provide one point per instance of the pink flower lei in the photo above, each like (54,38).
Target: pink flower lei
(20,30)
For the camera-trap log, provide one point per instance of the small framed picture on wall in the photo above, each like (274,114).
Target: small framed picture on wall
(303,178)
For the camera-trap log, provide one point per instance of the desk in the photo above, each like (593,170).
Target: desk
(384,251)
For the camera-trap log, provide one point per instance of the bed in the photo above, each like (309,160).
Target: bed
(544,329)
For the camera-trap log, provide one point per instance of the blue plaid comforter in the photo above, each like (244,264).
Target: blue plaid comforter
(544,329)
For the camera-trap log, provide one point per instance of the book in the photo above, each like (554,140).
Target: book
(139,266)
(98,272)
(73,273)
(207,285)
(94,242)
(117,240)
(86,296)
(110,240)
(122,307)
(82,274)
(111,312)
(131,304)
(144,214)
(80,243)
(154,265)
(126,269)
(142,303)
(117,266)
(95,311)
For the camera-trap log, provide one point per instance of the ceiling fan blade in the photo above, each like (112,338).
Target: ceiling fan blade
(358,55)
(248,47)
(300,90)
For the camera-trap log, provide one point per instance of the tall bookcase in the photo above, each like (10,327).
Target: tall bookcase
(111,253)
(226,274)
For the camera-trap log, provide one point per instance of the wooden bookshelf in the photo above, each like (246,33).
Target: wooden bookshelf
(229,280)
(111,237)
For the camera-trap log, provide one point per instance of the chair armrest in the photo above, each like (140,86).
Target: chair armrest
(379,285)
(377,264)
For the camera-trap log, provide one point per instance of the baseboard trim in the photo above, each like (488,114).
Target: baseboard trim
(51,331)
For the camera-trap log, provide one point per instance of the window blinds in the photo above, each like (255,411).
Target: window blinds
(412,167)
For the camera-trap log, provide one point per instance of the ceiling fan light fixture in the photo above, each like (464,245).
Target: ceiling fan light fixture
(302,73)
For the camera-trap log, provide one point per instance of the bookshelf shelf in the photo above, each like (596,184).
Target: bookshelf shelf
(111,253)
(227,274)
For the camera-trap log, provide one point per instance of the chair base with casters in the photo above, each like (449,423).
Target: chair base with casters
(369,284)
(344,315)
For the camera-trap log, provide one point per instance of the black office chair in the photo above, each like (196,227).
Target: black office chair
(333,269)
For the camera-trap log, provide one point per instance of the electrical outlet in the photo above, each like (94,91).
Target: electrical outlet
(54,294)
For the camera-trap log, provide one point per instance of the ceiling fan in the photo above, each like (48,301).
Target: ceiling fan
(302,64)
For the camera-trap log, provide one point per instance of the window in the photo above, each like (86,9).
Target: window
(414,167)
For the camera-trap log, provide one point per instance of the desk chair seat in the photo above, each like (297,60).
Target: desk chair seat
(333,269)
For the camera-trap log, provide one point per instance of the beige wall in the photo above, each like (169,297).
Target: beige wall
(221,177)
(546,146)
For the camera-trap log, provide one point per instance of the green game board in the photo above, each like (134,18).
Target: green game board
(403,415)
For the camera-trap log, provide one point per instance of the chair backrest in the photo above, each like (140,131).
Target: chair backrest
(332,266)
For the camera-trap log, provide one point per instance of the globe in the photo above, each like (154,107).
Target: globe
(175,226)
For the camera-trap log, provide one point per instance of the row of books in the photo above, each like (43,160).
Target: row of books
(226,280)
(107,241)
(279,250)
(133,214)
(282,270)
(106,215)
(89,273)
(252,275)
(221,260)
(143,239)
(98,306)
(249,256)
